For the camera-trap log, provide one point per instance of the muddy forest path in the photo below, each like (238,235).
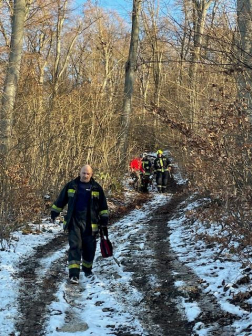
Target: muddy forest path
(154,269)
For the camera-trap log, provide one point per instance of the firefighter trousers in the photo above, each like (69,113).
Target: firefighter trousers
(162,181)
(82,245)
(145,180)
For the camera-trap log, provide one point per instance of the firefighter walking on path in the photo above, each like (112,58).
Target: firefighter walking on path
(162,166)
(145,172)
(87,212)
(135,167)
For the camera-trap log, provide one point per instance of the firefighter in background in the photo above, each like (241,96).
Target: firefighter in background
(162,167)
(145,172)
(135,169)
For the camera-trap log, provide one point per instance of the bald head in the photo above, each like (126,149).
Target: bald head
(86,173)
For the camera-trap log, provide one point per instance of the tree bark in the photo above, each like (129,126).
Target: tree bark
(9,97)
(244,17)
(130,69)
(200,8)
(12,76)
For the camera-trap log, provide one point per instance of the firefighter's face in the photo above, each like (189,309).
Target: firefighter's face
(86,173)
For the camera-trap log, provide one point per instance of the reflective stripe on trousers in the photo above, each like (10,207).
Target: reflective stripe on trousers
(82,245)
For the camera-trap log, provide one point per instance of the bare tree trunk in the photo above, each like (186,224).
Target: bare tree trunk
(12,76)
(9,97)
(244,16)
(130,69)
(157,72)
(60,62)
(57,72)
(214,8)
(244,79)
(152,32)
(200,8)
(185,41)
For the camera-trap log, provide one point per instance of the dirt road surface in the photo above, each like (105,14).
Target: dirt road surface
(153,274)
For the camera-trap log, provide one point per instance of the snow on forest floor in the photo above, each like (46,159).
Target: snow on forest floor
(222,274)
(108,304)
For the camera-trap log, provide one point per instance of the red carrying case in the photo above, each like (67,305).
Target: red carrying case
(106,247)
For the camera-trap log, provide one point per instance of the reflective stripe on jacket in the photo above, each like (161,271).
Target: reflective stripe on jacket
(146,164)
(98,205)
(162,164)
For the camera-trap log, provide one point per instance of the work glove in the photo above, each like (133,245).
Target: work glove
(53,216)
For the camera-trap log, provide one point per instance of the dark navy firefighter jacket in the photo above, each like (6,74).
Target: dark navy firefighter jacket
(98,205)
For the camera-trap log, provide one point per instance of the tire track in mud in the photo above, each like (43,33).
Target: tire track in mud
(155,275)
(36,292)
(152,275)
